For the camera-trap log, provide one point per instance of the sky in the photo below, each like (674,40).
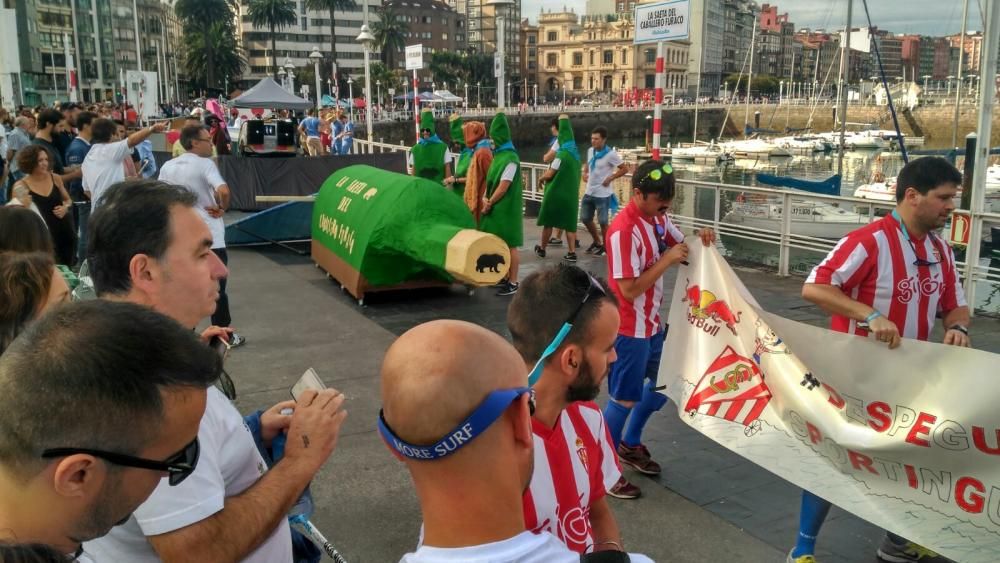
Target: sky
(928,17)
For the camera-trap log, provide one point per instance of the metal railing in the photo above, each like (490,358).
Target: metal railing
(715,208)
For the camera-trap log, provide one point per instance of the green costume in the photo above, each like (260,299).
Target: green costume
(561,201)
(428,154)
(464,158)
(505,219)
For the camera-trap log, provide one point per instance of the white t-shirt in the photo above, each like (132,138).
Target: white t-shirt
(229,464)
(103,168)
(604,167)
(509,172)
(448,158)
(522,548)
(201,176)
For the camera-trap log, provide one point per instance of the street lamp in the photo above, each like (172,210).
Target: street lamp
(315,56)
(926,76)
(366,39)
(479,94)
(535,87)
(501,39)
(329,86)
(950,78)
(350,96)
(282,75)
(290,69)
(466,102)
(378,98)
(781,90)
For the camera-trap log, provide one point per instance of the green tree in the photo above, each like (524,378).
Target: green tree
(227,60)
(200,18)
(331,6)
(762,84)
(456,68)
(390,34)
(274,15)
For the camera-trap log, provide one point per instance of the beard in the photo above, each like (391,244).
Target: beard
(586,386)
(109,510)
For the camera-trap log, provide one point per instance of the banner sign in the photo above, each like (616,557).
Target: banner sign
(908,439)
(414,57)
(662,21)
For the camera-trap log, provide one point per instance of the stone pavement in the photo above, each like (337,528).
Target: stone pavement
(709,505)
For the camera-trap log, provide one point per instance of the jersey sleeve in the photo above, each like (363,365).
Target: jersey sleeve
(671,234)
(555,164)
(846,265)
(952,297)
(622,257)
(611,471)
(614,159)
(509,172)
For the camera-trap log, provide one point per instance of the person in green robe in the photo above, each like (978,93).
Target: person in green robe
(561,188)
(462,158)
(503,208)
(430,157)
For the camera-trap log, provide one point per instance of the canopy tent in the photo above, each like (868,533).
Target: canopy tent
(446,96)
(425,97)
(267,94)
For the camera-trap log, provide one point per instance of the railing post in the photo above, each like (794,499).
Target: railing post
(786,229)
(718,207)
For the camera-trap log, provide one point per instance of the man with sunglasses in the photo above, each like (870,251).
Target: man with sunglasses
(567,493)
(471,456)
(84,441)
(892,278)
(641,244)
(233,508)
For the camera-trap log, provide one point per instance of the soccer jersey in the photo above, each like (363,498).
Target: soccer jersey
(575,464)
(877,265)
(632,246)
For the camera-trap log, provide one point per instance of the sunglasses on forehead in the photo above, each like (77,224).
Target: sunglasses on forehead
(594,291)
(657,174)
(178,466)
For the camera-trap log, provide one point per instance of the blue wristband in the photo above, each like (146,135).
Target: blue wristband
(872,317)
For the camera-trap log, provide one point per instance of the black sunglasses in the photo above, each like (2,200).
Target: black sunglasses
(178,466)
(595,291)
(920,261)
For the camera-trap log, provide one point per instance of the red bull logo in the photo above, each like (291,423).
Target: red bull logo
(707,312)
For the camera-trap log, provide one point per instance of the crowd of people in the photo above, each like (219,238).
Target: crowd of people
(139,455)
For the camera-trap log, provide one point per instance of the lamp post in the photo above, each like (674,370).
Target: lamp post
(366,39)
(329,86)
(290,69)
(535,88)
(509,98)
(781,91)
(479,94)
(282,75)
(466,102)
(350,96)
(501,40)
(950,78)
(378,97)
(315,56)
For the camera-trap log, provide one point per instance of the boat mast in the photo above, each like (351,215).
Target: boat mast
(791,78)
(958,88)
(746,114)
(844,74)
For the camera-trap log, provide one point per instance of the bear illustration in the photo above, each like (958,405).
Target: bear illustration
(489,262)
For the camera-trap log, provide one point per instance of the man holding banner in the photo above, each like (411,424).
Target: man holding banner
(892,278)
(641,244)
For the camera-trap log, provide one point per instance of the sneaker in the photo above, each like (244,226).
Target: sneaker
(555,241)
(501,283)
(235,340)
(570,257)
(593,246)
(891,552)
(624,489)
(539,251)
(810,558)
(508,289)
(599,251)
(638,458)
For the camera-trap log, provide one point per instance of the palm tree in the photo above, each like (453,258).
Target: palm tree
(274,15)
(228,55)
(390,34)
(198,18)
(330,6)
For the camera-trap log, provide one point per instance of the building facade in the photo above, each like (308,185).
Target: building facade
(435,25)
(597,59)
(707,37)
(740,16)
(529,56)
(481,18)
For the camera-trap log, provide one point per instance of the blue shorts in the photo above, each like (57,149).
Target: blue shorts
(590,204)
(638,360)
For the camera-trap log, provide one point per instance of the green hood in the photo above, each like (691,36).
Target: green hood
(565,130)
(427,120)
(500,130)
(455,126)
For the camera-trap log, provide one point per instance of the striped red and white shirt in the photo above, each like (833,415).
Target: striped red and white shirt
(575,464)
(876,265)
(632,249)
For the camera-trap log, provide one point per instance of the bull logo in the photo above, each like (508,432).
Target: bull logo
(703,305)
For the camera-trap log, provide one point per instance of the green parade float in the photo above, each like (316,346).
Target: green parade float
(561,201)
(428,153)
(375,230)
(464,158)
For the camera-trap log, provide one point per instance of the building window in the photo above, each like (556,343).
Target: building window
(591,58)
(305,23)
(444,36)
(650,56)
(426,19)
(553,36)
(577,59)
(551,60)
(577,83)
(531,40)
(609,57)
(624,56)
(531,51)
(650,81)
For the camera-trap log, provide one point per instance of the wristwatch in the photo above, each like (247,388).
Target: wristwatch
(960,328)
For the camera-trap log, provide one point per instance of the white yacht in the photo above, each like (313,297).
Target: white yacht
(755,148)
(809,218)
(710,153)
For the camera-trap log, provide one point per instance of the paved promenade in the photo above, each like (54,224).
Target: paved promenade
(709,504)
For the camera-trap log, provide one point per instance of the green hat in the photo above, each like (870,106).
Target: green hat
(427,120)
(455,125)
(565,130)
(500,129)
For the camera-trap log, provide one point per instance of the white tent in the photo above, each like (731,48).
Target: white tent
(268,94)
(444,96)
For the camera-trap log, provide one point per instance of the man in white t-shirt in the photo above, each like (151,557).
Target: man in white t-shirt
(196,172)
(603,166)
(68,474)
(232,508)
(102,167)
(483,429)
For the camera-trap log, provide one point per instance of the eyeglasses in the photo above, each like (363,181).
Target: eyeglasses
(657,173)
(178,466)
(482,418)
(594,290)
(920,261)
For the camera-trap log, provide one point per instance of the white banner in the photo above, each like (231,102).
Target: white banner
(662,21)
(908,439)
(414,57)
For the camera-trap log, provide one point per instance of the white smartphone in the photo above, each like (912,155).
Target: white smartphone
(309,380)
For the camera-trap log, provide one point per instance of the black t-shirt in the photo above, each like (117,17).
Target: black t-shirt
(56,164)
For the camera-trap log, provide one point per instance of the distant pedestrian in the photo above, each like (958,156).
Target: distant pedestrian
(602,168)
(310,129)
